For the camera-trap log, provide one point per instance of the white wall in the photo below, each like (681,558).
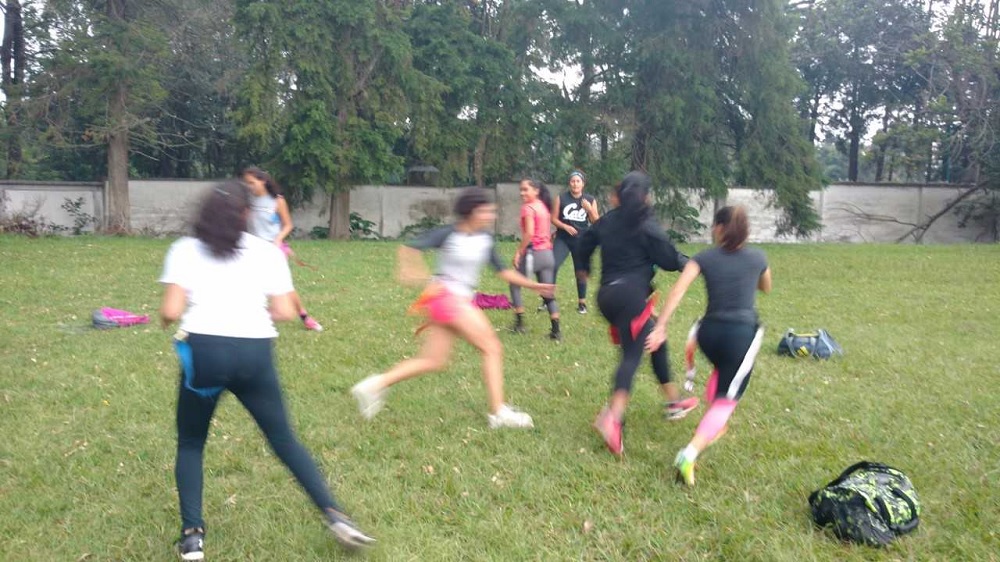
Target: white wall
(849,212)
(44,200)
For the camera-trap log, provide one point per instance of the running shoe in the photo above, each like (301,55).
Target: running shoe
(311,324)
(685,468)
(191,545)
(509,417)
(611,431)
(680,408)
(370,396)
(345,531)
(582,308)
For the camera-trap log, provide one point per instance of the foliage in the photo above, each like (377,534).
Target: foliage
(423,225)
(81,219)
(26,221)
(362,227)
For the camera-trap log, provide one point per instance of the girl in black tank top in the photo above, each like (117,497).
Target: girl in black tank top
(574,212)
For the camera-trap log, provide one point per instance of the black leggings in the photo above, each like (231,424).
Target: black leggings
(732,348)
(245,367)
(563,248)
(620,302)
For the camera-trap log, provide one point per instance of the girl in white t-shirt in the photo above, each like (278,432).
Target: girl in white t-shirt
(271,220)
(227,288)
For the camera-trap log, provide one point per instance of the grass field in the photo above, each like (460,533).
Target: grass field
(86,459)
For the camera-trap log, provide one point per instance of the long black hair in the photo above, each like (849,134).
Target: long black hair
(544,195)
(272,187)
(633,198)
(222,218)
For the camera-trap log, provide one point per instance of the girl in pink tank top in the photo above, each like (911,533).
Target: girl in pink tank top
(534,254)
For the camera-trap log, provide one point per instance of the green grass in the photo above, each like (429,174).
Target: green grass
(86,459)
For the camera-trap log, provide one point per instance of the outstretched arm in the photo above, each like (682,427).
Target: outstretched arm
(659,334)
(411,269)
(514,277)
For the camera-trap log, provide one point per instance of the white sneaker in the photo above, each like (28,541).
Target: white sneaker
(370,396)
(509,417)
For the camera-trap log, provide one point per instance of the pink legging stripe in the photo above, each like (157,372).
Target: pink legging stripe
(715,419)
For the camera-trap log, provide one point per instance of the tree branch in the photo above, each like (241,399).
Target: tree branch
(919,230)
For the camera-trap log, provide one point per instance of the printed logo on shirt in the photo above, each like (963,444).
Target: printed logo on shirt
(574,212)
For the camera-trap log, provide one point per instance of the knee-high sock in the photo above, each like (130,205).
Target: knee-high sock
(715,419)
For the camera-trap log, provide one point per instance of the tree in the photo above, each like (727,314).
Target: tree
(12,55)
(328,81)
(710,88)
(104,74)
(853,55)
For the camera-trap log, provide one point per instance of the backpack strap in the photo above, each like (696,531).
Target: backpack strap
(858,466)
(905,527)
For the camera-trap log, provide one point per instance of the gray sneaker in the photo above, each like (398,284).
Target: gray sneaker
(345,531)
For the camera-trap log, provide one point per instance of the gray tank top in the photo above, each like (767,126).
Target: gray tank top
(264,221)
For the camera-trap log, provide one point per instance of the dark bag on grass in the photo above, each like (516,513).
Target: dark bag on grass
(870,503)
(819,345)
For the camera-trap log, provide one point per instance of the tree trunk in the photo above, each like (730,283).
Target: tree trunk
(119,215)
(639,150)
(852,153)
(12,55)
(478,159)
(882,148)
(340,215)
(117,205)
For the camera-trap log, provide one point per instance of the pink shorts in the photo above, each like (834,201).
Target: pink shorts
(440,305)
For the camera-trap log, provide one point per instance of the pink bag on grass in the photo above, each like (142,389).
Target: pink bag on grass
(106,318)
(491,301)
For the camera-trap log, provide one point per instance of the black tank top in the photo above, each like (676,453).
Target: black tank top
(571,212)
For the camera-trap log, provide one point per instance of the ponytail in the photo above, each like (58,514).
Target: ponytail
(544,195)
(735,227)
(272,187)
(633,198)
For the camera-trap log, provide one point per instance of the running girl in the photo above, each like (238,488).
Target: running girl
(227,288)
(729,333)
(271,220)
(462,251)
(631,244)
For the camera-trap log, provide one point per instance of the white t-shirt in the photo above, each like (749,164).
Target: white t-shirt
(228,297)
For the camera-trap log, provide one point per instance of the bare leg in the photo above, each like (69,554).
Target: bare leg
(474,327)
(297,302)
(433,356)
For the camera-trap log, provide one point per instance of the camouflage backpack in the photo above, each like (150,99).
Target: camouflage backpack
(870,503)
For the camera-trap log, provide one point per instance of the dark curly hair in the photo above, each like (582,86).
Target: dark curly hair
(469,200)
(222,218)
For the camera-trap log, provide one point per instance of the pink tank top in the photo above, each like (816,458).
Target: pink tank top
(542,219)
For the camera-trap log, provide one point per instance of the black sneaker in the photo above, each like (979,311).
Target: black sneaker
(581,308)
(345,531)
(517,328)
(191,545)
(541,307)
(555,336)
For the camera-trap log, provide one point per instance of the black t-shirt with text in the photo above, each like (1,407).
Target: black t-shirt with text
(571,212)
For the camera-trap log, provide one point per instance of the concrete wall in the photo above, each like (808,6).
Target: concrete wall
(849,212)
(43,201)
(165,206)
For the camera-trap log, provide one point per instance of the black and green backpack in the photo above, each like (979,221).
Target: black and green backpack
(870,503)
